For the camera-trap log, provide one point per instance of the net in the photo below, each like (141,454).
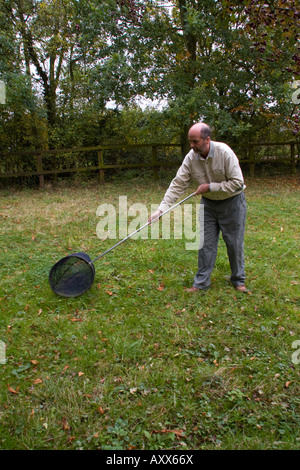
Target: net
(72,275)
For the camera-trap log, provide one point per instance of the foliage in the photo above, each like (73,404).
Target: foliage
(22,123)
(66,61)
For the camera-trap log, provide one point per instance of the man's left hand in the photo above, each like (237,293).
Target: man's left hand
(203,188)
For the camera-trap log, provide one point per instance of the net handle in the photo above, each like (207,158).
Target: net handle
(141,228)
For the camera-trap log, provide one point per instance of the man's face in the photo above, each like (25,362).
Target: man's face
(198,143)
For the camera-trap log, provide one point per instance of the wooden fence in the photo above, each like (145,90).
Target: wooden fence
(252,156)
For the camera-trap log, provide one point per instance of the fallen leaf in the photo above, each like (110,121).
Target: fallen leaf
(161,287)
(37,381)
(12,390)
(80,374)
(65,424)
(100,409)
(109,292)
(287,384)
(34,361)
(178,432)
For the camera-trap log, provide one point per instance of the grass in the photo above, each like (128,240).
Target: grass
(136,362)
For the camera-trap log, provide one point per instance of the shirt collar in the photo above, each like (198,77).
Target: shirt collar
(210,153)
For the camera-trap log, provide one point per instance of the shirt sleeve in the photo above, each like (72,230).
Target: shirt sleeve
(177,186)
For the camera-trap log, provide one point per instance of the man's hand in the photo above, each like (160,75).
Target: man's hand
(155,216)
(203,188)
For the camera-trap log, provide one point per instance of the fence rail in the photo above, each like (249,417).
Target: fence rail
(253,157)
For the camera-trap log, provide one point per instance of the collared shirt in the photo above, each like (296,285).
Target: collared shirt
(221,169)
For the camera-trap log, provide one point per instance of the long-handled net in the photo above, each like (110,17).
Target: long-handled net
(73,275)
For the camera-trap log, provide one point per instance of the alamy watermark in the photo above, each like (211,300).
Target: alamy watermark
(296,94)
(187,222)
(2,352)
(296,354)
(2,92)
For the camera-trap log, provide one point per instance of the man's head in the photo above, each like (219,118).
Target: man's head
(199,138)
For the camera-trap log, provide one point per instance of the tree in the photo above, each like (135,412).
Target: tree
(46,33)
(227,62)
(60,45)
(207,60)
(274,27)
(21,116)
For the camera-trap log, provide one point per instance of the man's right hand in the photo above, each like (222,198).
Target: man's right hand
(155,216)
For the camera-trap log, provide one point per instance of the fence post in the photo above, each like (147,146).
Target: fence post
(40,170)
(100,165)
(293,158)
(252,160)
(154,162)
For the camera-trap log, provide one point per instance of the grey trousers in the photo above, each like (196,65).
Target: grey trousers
(227,216)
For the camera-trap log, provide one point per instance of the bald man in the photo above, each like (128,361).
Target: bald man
(215,168)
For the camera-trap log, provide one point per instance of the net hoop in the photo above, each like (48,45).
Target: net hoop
(72,275)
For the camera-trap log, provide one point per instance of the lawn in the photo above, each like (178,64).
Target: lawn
(136,362)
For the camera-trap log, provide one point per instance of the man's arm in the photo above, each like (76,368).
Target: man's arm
(177,187)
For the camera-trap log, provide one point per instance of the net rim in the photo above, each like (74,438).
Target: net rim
(80,255)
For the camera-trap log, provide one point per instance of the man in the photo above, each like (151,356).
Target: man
(216,169)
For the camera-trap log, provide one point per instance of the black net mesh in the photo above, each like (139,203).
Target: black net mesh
(72,275)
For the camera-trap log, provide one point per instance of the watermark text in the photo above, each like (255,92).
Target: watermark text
(184,222)
(2,353)
(2,92)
